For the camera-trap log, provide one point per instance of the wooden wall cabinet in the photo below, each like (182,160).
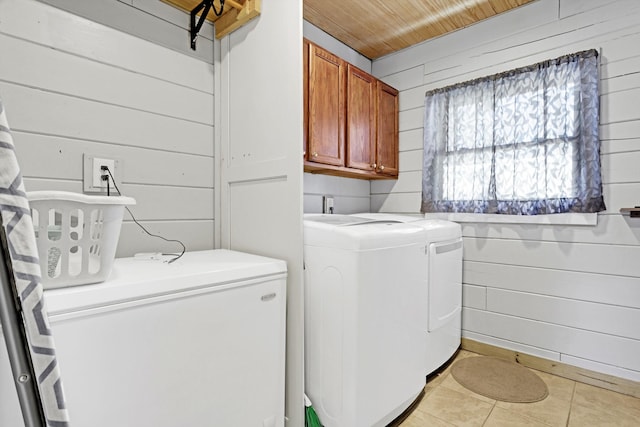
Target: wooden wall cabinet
(351,119)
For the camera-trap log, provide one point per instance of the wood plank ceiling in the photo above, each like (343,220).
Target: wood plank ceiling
(379,27)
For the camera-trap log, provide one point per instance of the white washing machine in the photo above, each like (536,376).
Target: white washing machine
(444,272)
(364,339)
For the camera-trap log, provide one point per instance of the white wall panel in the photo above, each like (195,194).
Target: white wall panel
(611,229)
(607,349)
(138,165)
(557,276)
(474,296)
(71,87)
(77,76)
(407,182)
(498,342)
(597,317)
(37,111)
(406,79)
(411,119)
(260,162)
(606,289)
(557,255)
(66,32)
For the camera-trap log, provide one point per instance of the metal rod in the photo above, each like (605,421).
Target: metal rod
(15,339)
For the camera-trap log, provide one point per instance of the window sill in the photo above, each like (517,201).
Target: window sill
(553,219)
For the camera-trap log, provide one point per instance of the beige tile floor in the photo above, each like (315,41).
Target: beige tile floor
(446,403)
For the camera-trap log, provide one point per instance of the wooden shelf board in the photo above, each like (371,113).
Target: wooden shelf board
(632,212)
(236,13)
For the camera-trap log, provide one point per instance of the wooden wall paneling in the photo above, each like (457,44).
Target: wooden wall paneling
(577,342)
(556,255)
(61,115)
(139,165)
(411,161)
(412,98)
(407,182)
(411,119)
(197,235)
(350,195)
(406,79)
(594,287)
(85,78)
(165,203)
(620,130)
(615,107)
(474,296)
(610,146)
(342,204)
(411,139)
(569,8)
(544,42)
(621,167)
(621,195)
(592,316)
(62,31)
(611,230)
(164,29)
(613,66)
(396,202)
(475,342)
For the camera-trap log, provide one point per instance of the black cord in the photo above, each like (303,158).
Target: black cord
(213,6)
(184,248)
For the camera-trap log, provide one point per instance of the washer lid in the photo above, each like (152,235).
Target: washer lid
(437,229)
(139,278)
(354,233)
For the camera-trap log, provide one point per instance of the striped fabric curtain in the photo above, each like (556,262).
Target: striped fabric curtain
(523,142)
(21,243)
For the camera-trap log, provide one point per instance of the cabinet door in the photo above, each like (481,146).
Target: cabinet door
(361,116)
(387,130)
(326,107)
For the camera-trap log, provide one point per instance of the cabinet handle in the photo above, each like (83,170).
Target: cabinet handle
(304,153)
(314,154)
(381,167)
(373,166)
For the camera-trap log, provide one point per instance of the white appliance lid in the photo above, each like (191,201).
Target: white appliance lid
(437,229)
(359,234)
(140,277)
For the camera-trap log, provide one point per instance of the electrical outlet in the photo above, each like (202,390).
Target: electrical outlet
(92,173)
(327,204)
(97,172)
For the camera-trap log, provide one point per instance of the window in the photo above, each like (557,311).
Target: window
(524,142)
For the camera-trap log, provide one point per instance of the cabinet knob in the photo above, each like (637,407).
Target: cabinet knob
(314,154)
(381,167)
(373,166)
(304,153)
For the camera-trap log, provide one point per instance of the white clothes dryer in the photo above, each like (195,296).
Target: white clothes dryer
(444,297)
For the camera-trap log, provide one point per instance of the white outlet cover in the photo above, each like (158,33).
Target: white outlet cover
(91,174)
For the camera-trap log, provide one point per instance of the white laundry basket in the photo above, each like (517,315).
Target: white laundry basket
(76,235)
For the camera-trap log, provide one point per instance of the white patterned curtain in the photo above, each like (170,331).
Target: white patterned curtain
(523,142)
